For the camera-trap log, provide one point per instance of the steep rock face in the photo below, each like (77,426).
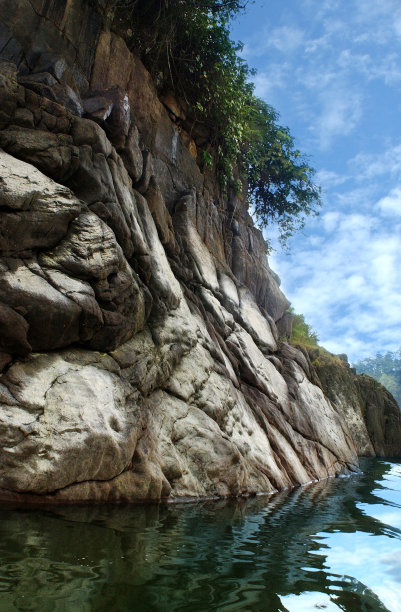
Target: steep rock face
(372,414)
(382,416)
(138,315)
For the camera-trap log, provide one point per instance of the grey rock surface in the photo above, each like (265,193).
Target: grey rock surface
(140,324)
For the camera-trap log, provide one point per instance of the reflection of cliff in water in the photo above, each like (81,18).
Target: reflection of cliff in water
(236,555)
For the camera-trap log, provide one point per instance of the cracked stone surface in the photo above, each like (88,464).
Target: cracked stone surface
(140,323)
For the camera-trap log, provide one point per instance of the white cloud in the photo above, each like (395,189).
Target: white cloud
(286,39)
(339,115)
(330,221)
(329,178)
(373,165)
(386,67)
(324,9)
(349,286)
(335,68)
(263,85)
(391,204)
(397,25)
(377,19)
(267,83)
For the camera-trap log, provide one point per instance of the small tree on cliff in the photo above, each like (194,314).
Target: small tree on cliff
(302,332)
(280,180)
(186,45)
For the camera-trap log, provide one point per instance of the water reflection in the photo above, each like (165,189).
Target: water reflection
(335,545)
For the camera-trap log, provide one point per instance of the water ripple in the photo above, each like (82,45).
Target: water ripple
(333,545)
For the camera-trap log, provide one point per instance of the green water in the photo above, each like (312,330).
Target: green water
(334,545)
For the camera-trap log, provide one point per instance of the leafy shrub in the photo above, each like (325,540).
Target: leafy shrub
(302,333)
(186,46)
(280,180)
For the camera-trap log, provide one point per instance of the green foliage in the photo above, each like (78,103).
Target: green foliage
(207,159)
(386,368)
(280,180)
(186,46)
(302,333)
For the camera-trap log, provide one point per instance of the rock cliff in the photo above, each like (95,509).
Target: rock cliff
(372,413)
(140,322)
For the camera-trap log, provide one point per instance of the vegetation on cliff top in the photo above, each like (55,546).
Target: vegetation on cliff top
(302,333)
(305,337)
(187,47)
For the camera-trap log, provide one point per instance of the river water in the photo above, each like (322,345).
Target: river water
(333,545)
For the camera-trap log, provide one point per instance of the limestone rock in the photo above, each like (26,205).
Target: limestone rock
(381,414)
(80,283)
(52,154)
(111,109)
(13,332)
(52,317)
(141,327)
(372,414)
(98,108)
(132,154)
(63,405)
(36,211)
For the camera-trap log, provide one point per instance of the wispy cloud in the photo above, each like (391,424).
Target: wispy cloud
(349,290)
(386,68)
(330,178)
(268,83)
(285,39)
(397,25)
(367,166)
(339,114)
(391,204)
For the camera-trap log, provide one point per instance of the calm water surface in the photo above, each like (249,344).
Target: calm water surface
(334,545)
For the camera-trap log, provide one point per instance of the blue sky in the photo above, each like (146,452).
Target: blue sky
(332,69)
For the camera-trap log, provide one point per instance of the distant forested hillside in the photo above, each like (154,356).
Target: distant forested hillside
(384,368)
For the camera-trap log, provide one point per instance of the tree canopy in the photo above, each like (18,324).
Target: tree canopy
(186,46)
